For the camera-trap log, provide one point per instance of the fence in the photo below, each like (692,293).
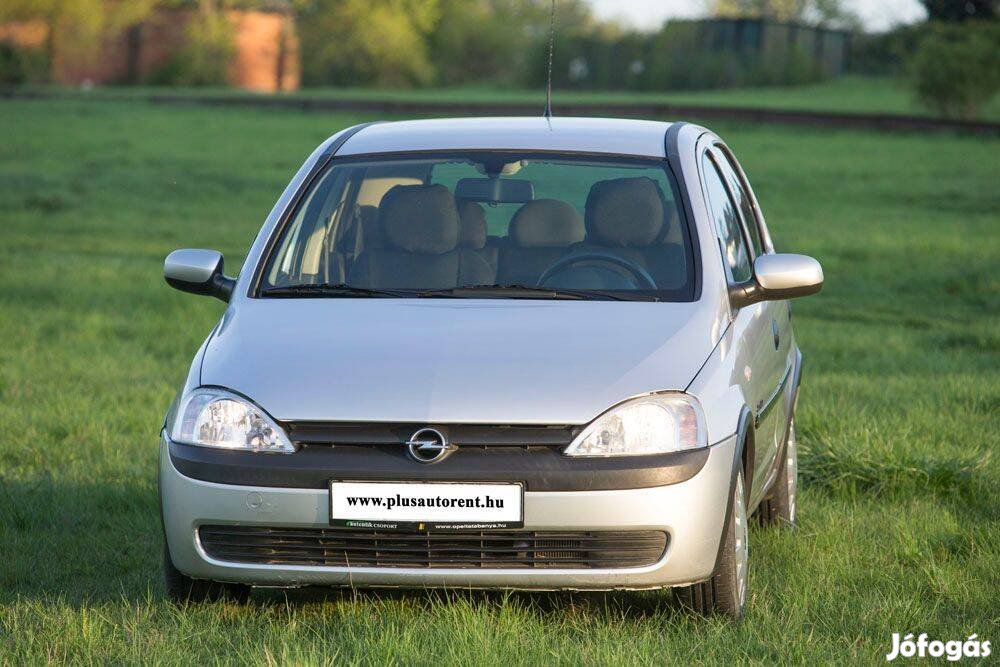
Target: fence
(713,53)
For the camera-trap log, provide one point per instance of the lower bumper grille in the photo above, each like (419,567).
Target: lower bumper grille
(332,547)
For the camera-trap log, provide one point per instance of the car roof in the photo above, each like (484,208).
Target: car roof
(613,136)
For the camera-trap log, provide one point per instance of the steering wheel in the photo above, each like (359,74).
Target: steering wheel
(641,275)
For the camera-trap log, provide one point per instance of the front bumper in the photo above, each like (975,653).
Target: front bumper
(691,512)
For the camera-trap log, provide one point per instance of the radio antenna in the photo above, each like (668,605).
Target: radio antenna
(552,43)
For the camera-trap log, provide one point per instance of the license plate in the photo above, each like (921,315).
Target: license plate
(426,506)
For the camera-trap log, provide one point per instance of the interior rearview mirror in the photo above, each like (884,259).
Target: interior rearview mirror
(495,190)
(781,276)
(199,272)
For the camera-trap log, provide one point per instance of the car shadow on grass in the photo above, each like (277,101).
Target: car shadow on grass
(607,605)
(83,543)
(90,543)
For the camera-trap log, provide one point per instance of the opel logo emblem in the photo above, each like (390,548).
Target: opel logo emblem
(428,445)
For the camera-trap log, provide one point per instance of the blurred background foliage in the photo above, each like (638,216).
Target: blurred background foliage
(956,67)
(950,61)
(368,42)
(204,59)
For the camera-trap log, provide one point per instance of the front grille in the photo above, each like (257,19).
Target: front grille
(333,547)
(396,434)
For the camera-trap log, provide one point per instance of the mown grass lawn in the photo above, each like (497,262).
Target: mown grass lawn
(898,418)
(846,94)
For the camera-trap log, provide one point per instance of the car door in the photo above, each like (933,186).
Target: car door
(772,416)
(754,326)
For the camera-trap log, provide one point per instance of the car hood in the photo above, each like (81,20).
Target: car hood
(489,361)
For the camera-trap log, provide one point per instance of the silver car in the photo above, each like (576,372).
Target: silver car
(491,353)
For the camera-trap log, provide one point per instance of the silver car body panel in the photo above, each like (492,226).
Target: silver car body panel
(654,326)
(454,361)
(191,265)
(496,361)
(682,510)
(579,135)
(756,355)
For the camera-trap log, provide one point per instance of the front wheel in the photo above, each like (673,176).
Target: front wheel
(779,507)
(726,592)
(182,589)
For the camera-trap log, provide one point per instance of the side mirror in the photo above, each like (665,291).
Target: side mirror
(198,272)
(778,277)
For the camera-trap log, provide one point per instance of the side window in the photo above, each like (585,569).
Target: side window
(743,200)
(727,223)
(301,256)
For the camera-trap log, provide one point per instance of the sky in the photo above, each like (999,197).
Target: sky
(876,15)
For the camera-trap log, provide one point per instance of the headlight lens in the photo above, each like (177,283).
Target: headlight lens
(655,424)
(216,418)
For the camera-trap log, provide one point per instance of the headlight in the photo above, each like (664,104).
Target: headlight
(654,424)
(216,418)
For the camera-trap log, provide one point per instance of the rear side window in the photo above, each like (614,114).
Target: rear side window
(727,223)
(743,199)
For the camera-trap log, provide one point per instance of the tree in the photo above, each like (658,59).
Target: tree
(778,10)
(367,42)
(495,40)
(204,59)
(76,26)
(957,67)
(831,13)
(954,10)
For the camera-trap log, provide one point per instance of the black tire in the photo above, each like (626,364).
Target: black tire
(725,594)
(182,589)
(779,507)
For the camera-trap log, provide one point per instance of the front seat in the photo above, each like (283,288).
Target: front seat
(420,224)
(630,218)
(539,233)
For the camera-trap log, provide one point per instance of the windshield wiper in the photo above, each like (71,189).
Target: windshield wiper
(518,291)
(337,290)
(505,291)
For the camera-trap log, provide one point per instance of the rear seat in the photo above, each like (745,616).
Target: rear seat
(540,232)
(360,232)
(472,235)
(372,235)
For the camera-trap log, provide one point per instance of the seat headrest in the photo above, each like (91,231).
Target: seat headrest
(626,212)
(546,223)
(420,218)
(472,233)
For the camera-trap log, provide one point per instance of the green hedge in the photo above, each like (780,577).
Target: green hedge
(956,68)
(18,65)
(675,58)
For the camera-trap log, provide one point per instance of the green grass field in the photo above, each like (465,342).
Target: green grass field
(848,94)
(898,418)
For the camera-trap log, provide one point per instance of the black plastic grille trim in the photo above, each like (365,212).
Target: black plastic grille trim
(463,435)
(334,547)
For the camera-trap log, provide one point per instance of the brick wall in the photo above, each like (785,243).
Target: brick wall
(26,34)
(266,53)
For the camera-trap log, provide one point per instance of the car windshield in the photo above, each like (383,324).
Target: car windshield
(486,225)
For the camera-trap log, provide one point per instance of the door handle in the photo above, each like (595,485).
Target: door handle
(777,334)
